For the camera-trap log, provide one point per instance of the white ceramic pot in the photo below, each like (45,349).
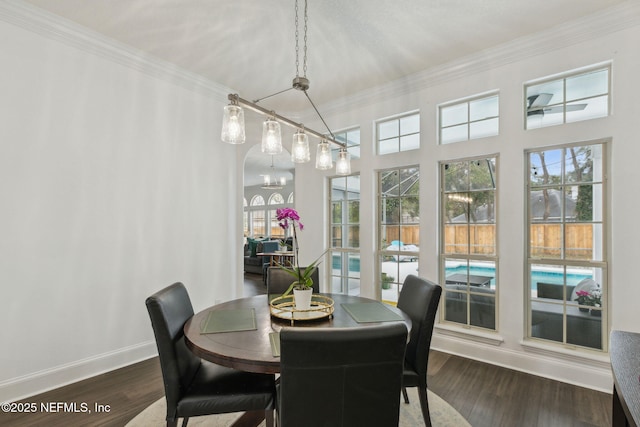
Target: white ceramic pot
(302,298)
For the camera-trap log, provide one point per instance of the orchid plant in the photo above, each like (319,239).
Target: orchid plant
(288,217)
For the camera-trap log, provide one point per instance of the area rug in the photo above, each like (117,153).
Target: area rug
(442,414)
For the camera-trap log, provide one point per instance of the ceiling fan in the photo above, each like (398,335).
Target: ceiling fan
(538,105)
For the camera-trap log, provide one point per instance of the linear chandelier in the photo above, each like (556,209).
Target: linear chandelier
(271,181)
(233,131)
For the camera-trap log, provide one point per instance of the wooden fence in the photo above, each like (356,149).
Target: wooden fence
(546,240)
(408,234)
(476,239)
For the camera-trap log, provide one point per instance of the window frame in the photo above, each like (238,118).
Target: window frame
(399,135)
(345,252)
(470,257)
(562,262)
(468,101)
(383,253)
(343,136)
(272,219)
(562,77)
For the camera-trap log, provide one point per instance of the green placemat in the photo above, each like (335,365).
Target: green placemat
(230,321)
(274,339)
(365,312)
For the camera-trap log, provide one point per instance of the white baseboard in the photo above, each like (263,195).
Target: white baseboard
(584,371)
(39,382)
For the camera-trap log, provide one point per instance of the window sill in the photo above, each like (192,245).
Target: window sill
(491,338)
(571,354)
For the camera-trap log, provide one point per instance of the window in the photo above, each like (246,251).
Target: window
(345,235)
(257,217)
(399,134)
(575,97)
(275,230)
(567,286)
(398,228)
(245,218)
(471,119)
(351,138)
(468,241)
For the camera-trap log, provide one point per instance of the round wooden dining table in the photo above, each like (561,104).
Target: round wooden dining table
(251,350)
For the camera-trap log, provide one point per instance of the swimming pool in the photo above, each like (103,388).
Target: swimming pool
(538,275)
(546,276)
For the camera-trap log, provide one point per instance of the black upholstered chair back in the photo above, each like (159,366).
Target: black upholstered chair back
(419,299)
(341,377)
(278,281)
(169,309)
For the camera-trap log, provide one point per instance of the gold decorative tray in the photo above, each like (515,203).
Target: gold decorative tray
(285,308)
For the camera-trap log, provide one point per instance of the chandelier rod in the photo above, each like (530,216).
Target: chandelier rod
(319,115)
(235,98)
(273,94)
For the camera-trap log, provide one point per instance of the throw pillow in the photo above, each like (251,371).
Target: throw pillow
(253,246)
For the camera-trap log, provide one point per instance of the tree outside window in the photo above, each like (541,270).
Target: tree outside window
(468,241)
(567,280)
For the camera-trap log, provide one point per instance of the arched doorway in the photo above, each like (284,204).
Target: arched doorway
(262,200)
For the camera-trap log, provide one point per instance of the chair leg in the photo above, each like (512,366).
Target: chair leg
(424,404)
(172,423)
(185,420)
(268,416)
(406,396)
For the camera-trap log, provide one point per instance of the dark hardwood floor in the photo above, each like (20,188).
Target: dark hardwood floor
(486,395)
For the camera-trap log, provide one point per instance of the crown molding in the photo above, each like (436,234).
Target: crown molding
(54,27)
(612,20)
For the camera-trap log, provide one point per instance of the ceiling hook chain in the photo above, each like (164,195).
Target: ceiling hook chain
(304,48)
(297,49)
(304,62)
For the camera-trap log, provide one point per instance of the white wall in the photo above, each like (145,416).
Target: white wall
(609,36)
(110,191)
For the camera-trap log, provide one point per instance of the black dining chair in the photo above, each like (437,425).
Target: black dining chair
(194,386)
(341,377)
(419,299)
(278,281)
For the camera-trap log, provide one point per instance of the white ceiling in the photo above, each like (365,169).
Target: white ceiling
(353,45)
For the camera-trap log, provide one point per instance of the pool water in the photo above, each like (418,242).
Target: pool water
(536,276)
(573,278)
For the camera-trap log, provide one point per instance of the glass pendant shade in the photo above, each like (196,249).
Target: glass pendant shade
(323,156)
(271,137)
(233,125)
(343,163)
(300,148)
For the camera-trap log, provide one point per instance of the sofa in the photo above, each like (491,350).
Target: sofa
(252,262)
